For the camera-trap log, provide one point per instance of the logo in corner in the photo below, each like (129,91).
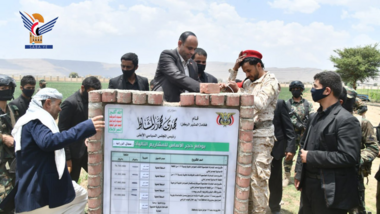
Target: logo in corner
(225,119)
(33,23)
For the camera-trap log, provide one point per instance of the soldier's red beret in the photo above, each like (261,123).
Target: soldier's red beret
(251,53)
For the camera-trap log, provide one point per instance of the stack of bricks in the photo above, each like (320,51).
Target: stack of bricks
(98,99)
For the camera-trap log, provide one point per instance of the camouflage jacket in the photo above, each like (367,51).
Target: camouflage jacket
(7,121)
(369,146)
(266,90)
(299,110)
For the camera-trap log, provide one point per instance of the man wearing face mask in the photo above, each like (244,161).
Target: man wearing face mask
(28,84)
(328,162)
(265,88)
(300,110)
(200,57)
(129,80)
(75,111)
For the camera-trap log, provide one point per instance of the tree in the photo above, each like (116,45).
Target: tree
(74,75)
(357,64)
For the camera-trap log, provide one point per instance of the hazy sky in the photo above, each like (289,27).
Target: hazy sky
(289,33)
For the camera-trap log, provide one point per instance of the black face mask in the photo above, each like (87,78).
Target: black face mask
(28,92)
(201,68)
(296,93)
(43,86)
(6,95)
(317,94)
(128,73)
(85,95)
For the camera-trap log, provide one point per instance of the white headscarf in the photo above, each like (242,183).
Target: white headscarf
(35,111)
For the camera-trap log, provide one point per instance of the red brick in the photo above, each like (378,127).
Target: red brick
(94,191)
(155,98)
(217,99)
(109,96)
(138,98)
(97,136)
(246,135)
(243,181)
(95,96)
(124,96)
(94,146)
(187,99)
(95,211)
(95,158)
(247,99)
(233,100)
(94,180)
(241,205)
(94,203)
(245,158)
(246,124)
(246,112)
(245,146)
(202,99)
(244,169)
(209,88)
(242,193)
(95,169)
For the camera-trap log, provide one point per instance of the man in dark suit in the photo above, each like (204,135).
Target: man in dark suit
(28,84)
(327,165)
(284,146)
(200,57)
(75,111)
(129,79)
(176,72)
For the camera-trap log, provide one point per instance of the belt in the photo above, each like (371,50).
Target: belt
(263,124)
(313,176)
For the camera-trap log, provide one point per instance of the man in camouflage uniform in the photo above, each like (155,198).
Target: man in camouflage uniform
(264,86)
(300,109)
(8,117)
(369,143)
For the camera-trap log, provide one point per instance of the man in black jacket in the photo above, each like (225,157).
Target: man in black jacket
(75,111)
(285,145)
(176,72)
(129,79)
(327,165)
(200,57)
(28,84)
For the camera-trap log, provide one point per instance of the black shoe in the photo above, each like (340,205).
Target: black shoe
(276,212)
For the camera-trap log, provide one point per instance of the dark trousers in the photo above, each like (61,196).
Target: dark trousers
(378,197)
(313,199)
(78,164)
(275,186)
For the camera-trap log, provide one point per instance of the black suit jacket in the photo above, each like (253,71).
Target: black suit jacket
(208,78)
(74,111)
(170,76)
(337,158)
(284,132)
(119,83)
(22,104)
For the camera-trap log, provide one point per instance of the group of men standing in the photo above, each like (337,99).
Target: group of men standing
(41,163)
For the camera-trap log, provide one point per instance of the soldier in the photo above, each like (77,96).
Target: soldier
(264,86)
(300,110)
(369,143)
(8,117)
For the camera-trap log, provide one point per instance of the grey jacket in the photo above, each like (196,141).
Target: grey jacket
(170,76)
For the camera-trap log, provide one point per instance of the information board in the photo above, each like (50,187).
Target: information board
(169,160)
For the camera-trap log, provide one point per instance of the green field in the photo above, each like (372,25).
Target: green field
(374,94)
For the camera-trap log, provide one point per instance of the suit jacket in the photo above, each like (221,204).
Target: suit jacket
(36,176)
(208,78)
(170,76)
(284,132)
(337,158)
(119,83)
(74,111)
(21,103)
